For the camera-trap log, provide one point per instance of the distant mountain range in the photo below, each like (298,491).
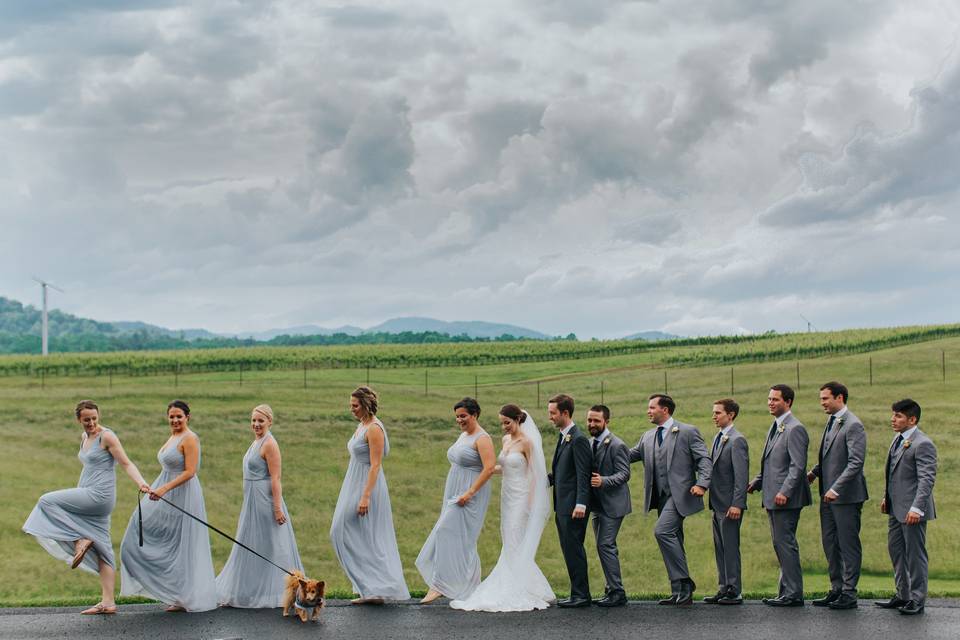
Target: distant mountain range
(17,319)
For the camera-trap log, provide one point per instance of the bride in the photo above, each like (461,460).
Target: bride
(517,583)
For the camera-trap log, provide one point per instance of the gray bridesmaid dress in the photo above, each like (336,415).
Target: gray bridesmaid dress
(63,517)
(366,547)
(174,564)
(248,581)
(448,561)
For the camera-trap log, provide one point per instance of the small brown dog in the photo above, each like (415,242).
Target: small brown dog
(303,595)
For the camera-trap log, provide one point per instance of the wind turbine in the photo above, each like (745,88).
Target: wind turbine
(43,285)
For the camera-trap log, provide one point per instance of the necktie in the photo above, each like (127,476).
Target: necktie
(898,442)
(659,435)
(716,442)
(596,442)
(830,423)
(773,428)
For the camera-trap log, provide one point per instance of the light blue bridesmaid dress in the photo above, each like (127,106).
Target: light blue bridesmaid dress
(448,561)
(366,547)
(174,564)
(65,516)
(246,580)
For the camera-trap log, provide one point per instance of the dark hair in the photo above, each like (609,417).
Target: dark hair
(907,407)
(729,405)
(665,401)
(563,402)
(86,404)
(837,390)
(513,412)
(179,404)
(367,398)
(786,392)
(602,408)
(471,405)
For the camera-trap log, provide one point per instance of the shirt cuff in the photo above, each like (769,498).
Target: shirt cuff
(832,493)
(917,511)
(584,507)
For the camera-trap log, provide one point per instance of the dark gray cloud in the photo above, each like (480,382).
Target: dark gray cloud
(696,167)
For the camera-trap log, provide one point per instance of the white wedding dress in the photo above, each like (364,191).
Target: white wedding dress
(517,583)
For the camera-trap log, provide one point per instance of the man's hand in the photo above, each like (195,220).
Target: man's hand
(780,500)
(751,487)
(595,480)
(883,506)
(734,513)
(830,496)
(811,477)
(579,513)
(913,517)
(697,490)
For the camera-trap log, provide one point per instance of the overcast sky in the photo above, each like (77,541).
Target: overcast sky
(598,167)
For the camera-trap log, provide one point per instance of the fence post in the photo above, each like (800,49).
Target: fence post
(871,371)
(798,375)
(943,363)
(241,374)
(304,374)
(176,375)
(601,392)
(476,386)
(425,387)
(368,375)
(731,383)
(538,394)
(665,389)
(43,378)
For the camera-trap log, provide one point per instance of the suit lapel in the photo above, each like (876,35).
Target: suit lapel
(895,458)
(773,440)
(719,449)
(829,439)
(601,451)
(671,444)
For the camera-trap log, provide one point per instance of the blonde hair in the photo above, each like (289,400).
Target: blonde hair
(368,400)
(264,409)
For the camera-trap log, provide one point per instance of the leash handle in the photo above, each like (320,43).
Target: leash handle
(228,537)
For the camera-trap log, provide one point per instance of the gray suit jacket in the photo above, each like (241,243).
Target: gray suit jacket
(783,466)
(911,472)
(840,460)
(612,462)
(688,464)
(731,473)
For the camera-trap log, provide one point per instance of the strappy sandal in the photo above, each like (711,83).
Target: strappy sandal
(99,610)
(80,550)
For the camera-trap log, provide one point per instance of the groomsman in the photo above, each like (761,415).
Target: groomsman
(570,479)
(728,500)
(609,500)
(785,491)
(843,490)
(911,470)
(676,474)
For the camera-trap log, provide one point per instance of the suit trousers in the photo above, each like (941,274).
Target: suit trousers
(840,533)
(572,532)
(669,534)
(907,544)
(783,530)
(726,548)
(605,530)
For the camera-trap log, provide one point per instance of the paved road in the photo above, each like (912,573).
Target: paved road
(637,620)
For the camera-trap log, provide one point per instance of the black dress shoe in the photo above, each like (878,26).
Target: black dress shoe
(826,600)
(912,608)
(783,602)
(845,601)
(612,600)
(715,599)
(685,597)
(892,603)
(573,603)
(671,600)
(731,598)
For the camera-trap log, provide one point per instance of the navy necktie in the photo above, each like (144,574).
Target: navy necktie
(596,443)
(830,423)
(659,435)
(716,442)
(773,428)
(899,441)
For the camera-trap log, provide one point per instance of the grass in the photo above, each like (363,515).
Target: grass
(313,425)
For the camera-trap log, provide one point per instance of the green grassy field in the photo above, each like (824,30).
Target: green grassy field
(313,424)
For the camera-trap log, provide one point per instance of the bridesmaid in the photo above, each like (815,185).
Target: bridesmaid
(174,564)
(246,580)
(74,524)
(448,561)
(362,531)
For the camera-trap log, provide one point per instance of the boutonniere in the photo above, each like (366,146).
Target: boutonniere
(606,441)
(675,430)
(724,439)
(906,444)
(841,421)
(567,438)
(780,429)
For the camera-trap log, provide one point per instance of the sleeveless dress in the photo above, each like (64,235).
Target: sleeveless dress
(516,583)
(246,580)
(174,564)
(65,516)
(448,561)
(366,547)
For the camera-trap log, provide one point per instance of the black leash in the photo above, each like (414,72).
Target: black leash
(210,526)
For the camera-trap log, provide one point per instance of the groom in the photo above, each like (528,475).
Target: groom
(570,479)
